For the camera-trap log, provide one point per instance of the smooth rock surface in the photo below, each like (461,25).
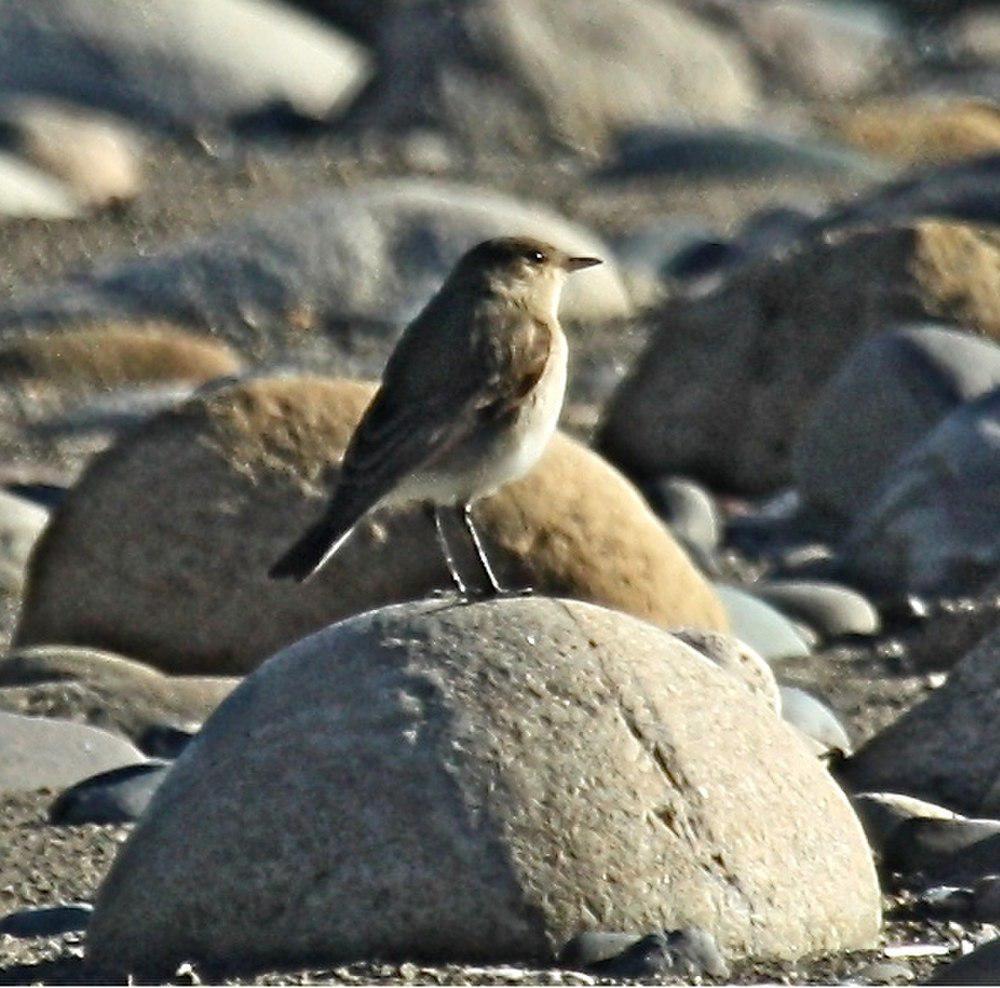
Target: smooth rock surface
(181,582)
(690,512)
(21,522)
(882,813)
(46,921)
(39,753)
(181,64)
(94,154)
(113,355)
(828,608)
(888,394)
(947,748)
(527,76)
(980,967)
(934,526)
(106,690)
(27,191)
(727,374)
(375,253)
(501,775)
(118,796)
(814,719)
(766,630)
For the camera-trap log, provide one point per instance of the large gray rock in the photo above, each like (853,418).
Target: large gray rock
(37,753)
(177,64)
(888,394)
(934,528)
(373,254)
(947,748)
(483,782)
(530,75)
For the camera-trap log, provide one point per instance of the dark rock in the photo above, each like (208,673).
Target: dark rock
(688,953)
(47,921)
(118,796)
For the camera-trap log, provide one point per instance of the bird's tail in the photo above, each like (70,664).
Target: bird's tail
(311,551)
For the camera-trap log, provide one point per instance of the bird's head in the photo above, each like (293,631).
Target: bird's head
(521,269)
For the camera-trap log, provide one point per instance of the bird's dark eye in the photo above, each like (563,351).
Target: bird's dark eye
(536,257)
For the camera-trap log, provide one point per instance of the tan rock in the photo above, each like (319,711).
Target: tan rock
(107,355)
(105,690)
(95,155)
(179,579)
(482,782)
(723,385)
(922,130)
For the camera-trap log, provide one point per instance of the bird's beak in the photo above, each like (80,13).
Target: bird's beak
(579,263)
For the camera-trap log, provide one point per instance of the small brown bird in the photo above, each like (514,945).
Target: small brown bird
(469,400)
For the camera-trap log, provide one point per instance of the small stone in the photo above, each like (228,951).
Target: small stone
(830,609)
(883,973)
(814,718)
(39,753)
(760,625)
(165,740)
(690,512)
(118,796)
(881,813)
(685,953)
(47,921)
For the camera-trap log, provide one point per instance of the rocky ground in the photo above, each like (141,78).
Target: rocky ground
(790,352)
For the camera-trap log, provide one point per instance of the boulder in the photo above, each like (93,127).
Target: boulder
(530,77)
(947,748)
(373,254)
(112,355)
(98,158)
(39,753)
(920,131)
(181,65)
(106,690)
(21,522)
(888,394)
(729,373)
(502,776)
(180,580)
(933,528)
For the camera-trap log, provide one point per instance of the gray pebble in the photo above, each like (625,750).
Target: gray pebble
(767,631)
(165,740)
(118,796)
(47,921)
(690,512)
(814,718)
(883,973)
(831,609)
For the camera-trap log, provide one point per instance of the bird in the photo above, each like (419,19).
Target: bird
(469,399)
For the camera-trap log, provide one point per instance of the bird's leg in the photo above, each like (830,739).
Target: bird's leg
(456,577)
(466,511)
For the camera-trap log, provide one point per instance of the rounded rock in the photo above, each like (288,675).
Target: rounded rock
(498,776)
(180,581)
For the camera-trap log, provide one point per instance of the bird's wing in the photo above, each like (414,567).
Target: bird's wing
(436,390)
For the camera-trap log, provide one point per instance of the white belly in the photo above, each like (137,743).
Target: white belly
(483,467)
